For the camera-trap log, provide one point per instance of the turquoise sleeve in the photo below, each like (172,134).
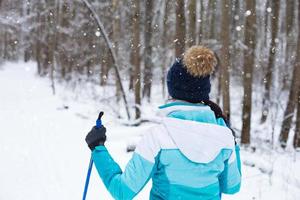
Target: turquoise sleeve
(230,178)
(122,185)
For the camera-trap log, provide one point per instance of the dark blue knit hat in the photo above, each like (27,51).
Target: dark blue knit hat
(191,83)
(184,86)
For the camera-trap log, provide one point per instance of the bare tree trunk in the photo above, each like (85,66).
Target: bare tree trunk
(63,22)
(290,4)
(28,50)
(296,141)
(116,37)
(225,58)
(51,26)
(192,23)
(5,48)
(201,24)
(212,6)
(148,50)
(291,104)
(290,8)
(38,44)
(104,67)
(250,40)
(293,97)
(290,108)
(297,130)
(180,28)
(269,75)
(165,43)
(136,58)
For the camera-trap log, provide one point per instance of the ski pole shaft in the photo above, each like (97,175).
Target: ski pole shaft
(88,178)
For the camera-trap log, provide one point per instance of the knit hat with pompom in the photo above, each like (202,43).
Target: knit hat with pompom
(189,78)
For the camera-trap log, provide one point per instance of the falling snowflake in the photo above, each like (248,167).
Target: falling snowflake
(97,33)
(248,13)
(269,9)
(238,28)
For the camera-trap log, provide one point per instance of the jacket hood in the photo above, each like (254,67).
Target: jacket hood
(199,142)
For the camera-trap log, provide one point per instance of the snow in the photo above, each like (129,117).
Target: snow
(248,13)
(269,10)
(44,155)
(238,28)
(97,33)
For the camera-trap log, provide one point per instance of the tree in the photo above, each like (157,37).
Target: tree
(291,104)
(272,52)
(290,35)
(250,37)
(225,57)
(148,49)
(165,42)
(290,5)
(212,9)
(116,36)
(293,99)
(136,57)
(201,26)
(180,28)
(297,129)
(191,40)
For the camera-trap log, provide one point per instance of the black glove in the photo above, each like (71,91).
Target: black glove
(96,137)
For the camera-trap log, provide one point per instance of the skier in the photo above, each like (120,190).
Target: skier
(190,155)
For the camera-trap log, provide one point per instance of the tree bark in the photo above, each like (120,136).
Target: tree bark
(291,104)
(201,23)
(269,74)
(290,4)
(180,28)
(27,50)
(250,40)
(212,6)
(148,50)
(136,58)
(225,58)
(290,8)
(293,98)
(192,23)
(104,67)
(165,44)
(116,37)
(296,141)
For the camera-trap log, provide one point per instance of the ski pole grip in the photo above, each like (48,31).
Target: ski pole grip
(99,121)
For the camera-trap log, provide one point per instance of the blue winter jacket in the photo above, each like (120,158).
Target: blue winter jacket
(190,155)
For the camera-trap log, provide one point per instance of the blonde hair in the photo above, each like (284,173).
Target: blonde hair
(199,61)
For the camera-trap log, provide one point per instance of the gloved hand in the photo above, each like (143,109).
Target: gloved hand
(96,137)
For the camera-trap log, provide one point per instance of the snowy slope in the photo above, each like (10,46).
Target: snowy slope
(43,154)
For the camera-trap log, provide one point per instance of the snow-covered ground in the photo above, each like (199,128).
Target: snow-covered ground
(43,154)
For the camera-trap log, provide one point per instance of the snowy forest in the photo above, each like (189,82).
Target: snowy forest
(257,44)
(115,55)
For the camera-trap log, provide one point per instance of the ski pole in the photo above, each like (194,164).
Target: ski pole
(87,180)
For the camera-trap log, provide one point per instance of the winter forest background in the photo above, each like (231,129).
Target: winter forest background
(116,55)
